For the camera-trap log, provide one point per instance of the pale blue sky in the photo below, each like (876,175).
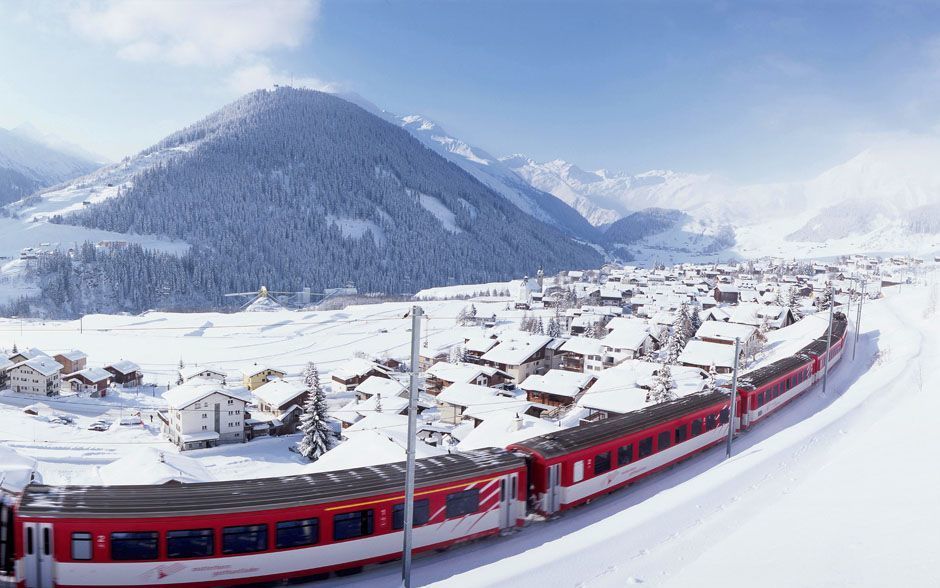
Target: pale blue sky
(754,91)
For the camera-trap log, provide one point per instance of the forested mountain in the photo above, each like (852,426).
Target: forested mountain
(293,188)
(28,165)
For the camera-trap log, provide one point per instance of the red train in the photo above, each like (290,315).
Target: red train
(249,531)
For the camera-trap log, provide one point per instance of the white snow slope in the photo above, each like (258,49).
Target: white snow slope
(835,490)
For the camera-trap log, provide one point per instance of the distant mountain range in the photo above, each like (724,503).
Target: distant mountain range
(30,161)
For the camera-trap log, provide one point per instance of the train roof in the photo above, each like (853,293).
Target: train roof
(588,435)
(259,494)
(768,373)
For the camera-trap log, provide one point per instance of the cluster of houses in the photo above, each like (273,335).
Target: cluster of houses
(38,373)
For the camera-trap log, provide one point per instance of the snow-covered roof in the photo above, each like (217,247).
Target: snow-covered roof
(705,354)
(558,382)
(42,364)
(630,336)
(16,471)
(460,372)
(376,385)
(278,392)
(504,428)
(191,372)
(149,466)
(73,355)
(517,350)
(257,369)
(199,436)
(356,368)
(725,331)
(92,374)
(463,394)
(497,404)
(124,367)
(185,394)
(370,447)
(30,353)
(583,346)
(480,344)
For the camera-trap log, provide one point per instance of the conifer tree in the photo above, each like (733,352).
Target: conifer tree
(317,434)
(664,386)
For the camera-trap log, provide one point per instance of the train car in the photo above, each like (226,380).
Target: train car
(767,389)
(575,465)
(246,531)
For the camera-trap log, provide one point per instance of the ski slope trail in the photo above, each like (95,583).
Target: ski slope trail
(838,489)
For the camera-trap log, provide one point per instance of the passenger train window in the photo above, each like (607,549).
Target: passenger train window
(664,441)
(710,422)
(296,533)
(682,433)
(601,463)
(723,416)
(463,503)
(421,515)
(350,525)
(132,546)
(696,427)
(625,454)
(760,399)
(245,539)
(195,543)
(645,448)
(81,546)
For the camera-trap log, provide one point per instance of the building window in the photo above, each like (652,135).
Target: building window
(230,401)
(664,440)
(463,503)
(297,533)
(134,546)
(245,539)
(625,454)
(81,546)
(196,543)
(645,447)
(422,513)
(352,524)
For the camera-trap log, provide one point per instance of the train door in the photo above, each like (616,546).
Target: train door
(37,549)
(553,495)
(507,500)
(6,538)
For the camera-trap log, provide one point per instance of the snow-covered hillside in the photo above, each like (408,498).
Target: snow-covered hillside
(29,162)
(489,170)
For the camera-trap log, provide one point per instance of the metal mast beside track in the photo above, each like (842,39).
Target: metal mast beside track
(416,315)
(832,305)
(734,394)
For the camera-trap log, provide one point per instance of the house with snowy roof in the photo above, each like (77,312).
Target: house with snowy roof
(726,333)
(126,373)
(460,397)
(280,404)
(259,375)
(443,374)
(202,413)
(194,372)
(521,355)
(39,375)
(91,380)
(354,372)
(703,355)
(72,361)
(557,387)
(582,354)
(21,356)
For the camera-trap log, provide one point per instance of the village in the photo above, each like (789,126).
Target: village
(520,359)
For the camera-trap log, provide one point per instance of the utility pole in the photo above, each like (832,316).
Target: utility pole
(858,321)
(416,314)
(832,305)
(734,394)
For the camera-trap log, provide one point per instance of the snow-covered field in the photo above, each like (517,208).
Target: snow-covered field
(836,490)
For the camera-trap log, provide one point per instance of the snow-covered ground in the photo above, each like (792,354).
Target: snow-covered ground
(835,490)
